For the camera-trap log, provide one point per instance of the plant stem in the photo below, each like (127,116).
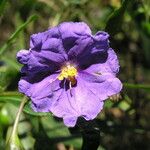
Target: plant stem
(90,134)
(15,126)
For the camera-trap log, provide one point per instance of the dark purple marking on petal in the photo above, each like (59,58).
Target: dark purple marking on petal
(71,33)
(111,65)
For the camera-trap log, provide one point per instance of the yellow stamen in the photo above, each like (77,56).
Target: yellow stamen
(68,72)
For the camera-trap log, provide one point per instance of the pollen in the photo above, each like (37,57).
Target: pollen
(69,72)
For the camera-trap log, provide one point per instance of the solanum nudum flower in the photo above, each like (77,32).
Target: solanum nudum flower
(69,72)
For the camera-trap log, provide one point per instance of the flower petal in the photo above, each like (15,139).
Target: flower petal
(37,89)
(45,59)
(70,121)
(77,102)
(73,29)
(87,102)
(42,93)
(104,86)
(111,65)
(41,61)
(96,52)
(23,56)
(65,107)
(38,39)
(73,34)
(46,50)
(82,47)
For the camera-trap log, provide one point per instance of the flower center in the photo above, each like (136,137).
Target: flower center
(69,72)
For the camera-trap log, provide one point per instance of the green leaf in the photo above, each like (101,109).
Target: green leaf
(15,98)
(15,34)
(28,142)
(56,129)
(115,20)
(108,104)
(4,116)
(28,110)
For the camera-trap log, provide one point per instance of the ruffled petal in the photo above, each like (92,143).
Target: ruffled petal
(46,51)
(72,32)
(104,86)
(37,40)
(43,105)
(42,61)
(82,47)
(37,89)
(73,29)
(88,103)
(111,65)
(73,35)
(23,56)
(45,59)
(95,52)
(65,107)
(79,101)
(35,68)
(42,93)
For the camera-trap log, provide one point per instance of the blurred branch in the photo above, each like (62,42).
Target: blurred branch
(137,86)
(15,34)
(51,4)
(115,20)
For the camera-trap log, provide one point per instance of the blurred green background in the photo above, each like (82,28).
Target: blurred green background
(124,124)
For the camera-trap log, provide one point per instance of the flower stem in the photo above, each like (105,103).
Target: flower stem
(90,134)
(15,126)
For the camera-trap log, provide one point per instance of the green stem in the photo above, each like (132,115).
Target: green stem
(90,134)
(15,126)
(137,86)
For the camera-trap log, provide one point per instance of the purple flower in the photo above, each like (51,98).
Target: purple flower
(69,72)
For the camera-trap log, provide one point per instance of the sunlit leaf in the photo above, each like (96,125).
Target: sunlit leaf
(15,98)
(28,110)
(123,105)
(56,130)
